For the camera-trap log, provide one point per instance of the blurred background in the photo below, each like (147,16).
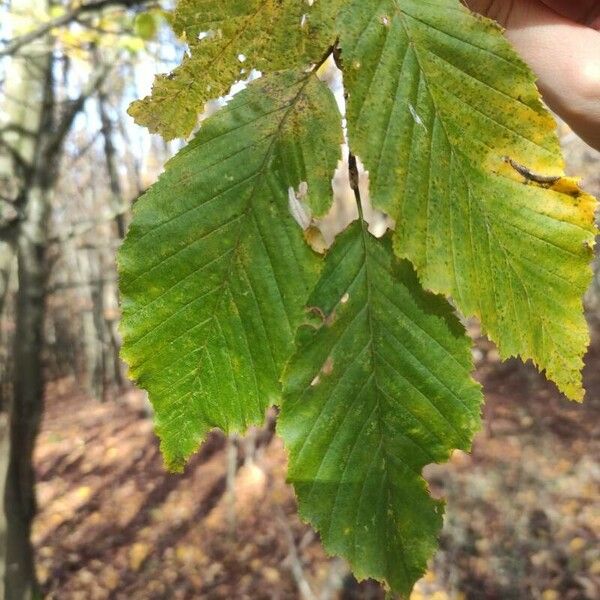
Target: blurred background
(88,510)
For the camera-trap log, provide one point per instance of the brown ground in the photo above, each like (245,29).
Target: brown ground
(523,519)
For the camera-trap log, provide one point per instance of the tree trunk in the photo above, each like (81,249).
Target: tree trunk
(93,326)
(117,201)
(7,256)
(4,452)
(27,115)
(20,580)
(118,205)
(31,142)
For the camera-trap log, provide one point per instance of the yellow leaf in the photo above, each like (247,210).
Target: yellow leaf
(137,555)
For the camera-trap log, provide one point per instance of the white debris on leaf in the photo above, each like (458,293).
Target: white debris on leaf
(298,207)
(415,116)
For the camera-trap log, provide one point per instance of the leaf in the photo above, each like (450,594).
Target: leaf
(227,40)
(214,272)
(145,26)
(379,390)
(447,119)
(215,275)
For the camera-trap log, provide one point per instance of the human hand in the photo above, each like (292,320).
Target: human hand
(560,39)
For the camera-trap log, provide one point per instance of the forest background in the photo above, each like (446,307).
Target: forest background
(88,510)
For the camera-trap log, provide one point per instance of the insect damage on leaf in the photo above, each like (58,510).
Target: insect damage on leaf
(226,41)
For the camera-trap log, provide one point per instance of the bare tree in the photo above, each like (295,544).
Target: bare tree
(32,135)
(26,103)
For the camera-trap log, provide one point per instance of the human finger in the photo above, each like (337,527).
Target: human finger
(582,11)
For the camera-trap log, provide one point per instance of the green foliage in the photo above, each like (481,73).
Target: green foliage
(434,135)
(221,292)
(214,272)
(379,390)
(146,26)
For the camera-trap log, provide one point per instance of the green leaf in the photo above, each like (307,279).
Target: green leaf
(379,390)
(227,40)
(438,102)
(216,279)
(214,273)
(145,26)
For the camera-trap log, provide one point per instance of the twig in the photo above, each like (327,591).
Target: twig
(77,105)
(338,571)
(73,15)
(82,227)
(62,285)
(230,496)
(294,560)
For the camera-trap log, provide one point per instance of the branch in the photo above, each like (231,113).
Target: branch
(83,151)
(64,126)
(73,15)
(60,286)
(83,227)
(19,161)
(293,559)
(14,128)
(110,156)
(9,217)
